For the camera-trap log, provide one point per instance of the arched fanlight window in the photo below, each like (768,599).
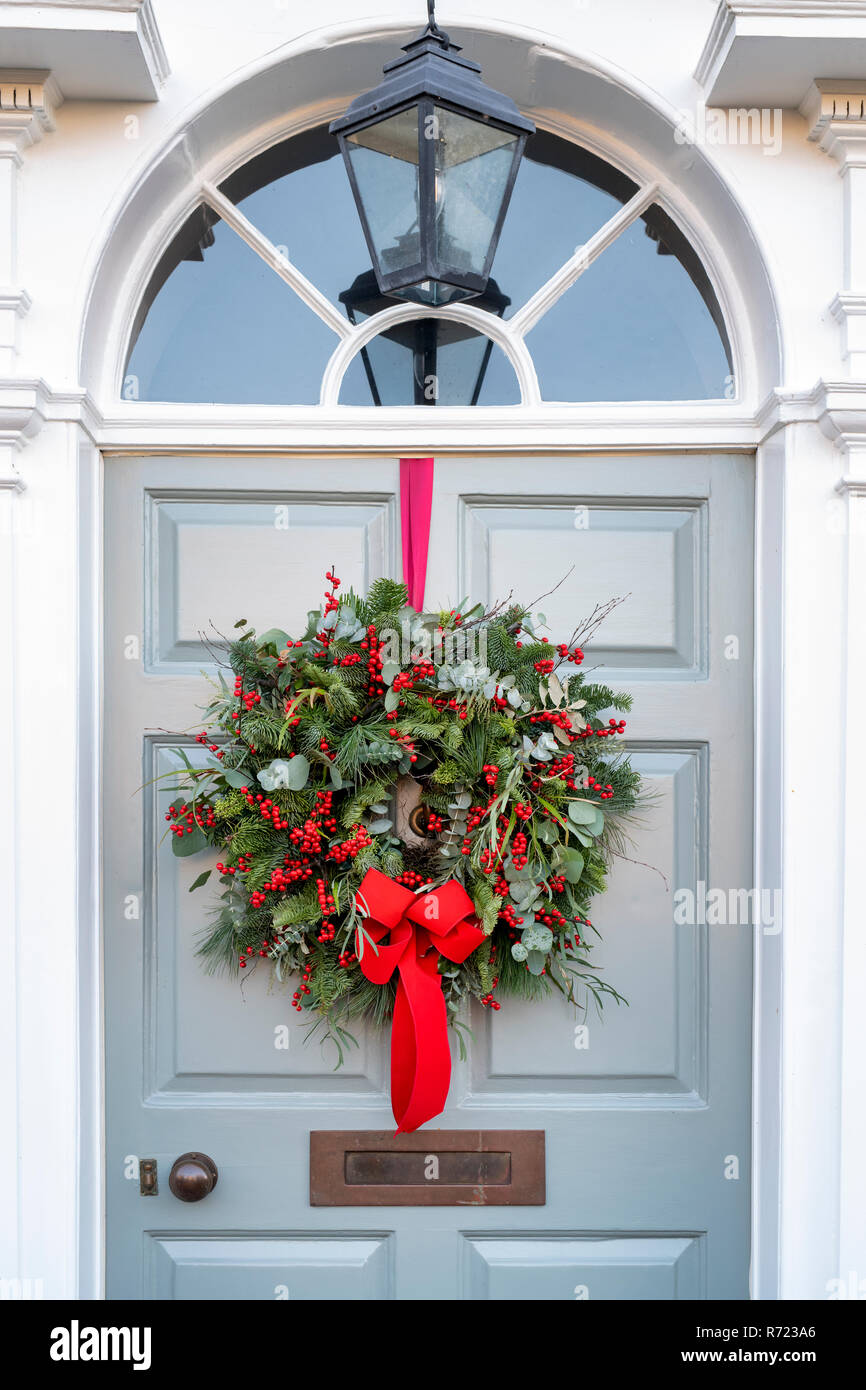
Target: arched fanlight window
(265,293)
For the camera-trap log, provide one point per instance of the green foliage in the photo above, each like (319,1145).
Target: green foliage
(292,861)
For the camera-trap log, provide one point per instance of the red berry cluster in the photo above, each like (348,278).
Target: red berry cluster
(492,858)
(544,666)
(373,647)
(518,850)
(509,916)
(423,670)
(410,879)
(552,917)
(563,767)
(556,717)
(327,931)
(565,655)
(332,603)
(488,998)
(614,726)
(211,747)
(477,813)
(185,818)
(351,848)
(242,866)
(491,772)
(303,988)
(247,697)
(407,743)
(605,792)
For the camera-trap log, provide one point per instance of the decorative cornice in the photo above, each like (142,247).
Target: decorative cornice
(127,60)
(28,101)
(10,478)
(798,9)
(152,40)
(836,112)
(733,67)
(838,407)
(26,404)
(18,301)
(848,304)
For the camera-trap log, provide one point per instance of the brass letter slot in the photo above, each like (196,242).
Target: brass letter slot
(402,1169)
(431,1167)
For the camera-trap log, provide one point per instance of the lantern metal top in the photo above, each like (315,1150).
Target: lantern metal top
(433,68)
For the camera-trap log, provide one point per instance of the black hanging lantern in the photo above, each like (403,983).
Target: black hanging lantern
(448,360)
(432,154)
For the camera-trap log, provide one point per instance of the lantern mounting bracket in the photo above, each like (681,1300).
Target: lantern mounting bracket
(433,31)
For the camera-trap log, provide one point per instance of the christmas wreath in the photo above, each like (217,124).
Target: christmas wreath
(411,809)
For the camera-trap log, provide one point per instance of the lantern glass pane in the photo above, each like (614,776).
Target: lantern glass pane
(384,159)
(473,162)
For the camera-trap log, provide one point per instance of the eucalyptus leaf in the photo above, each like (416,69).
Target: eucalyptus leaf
(182,846)
(235,777)
(537,938)
(380,826)
(201,880)
(274,637)
(572,864)
(389,671)
(521,891)
(536,962)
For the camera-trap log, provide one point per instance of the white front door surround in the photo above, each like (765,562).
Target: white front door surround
(61,409)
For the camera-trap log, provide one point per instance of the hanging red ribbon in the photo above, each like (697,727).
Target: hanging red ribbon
(422,927)
(416,502)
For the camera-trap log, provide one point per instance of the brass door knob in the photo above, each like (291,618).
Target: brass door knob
(192,1177)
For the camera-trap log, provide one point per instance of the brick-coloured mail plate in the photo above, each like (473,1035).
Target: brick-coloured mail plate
(429,1168)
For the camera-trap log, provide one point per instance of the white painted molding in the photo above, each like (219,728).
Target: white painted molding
(808,36)
(28,101)
(280,264)
(10,478)
(568,274)
(838,407)
(836,113)
(492,327)
(96,49)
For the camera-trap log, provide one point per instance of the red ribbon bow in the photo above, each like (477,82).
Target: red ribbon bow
(422,927)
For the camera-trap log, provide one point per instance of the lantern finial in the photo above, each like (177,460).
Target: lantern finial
(433,31)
